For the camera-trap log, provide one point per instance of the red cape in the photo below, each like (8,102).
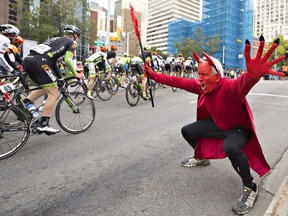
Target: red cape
(228,107)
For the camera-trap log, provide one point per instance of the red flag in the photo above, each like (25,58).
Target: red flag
(135,22)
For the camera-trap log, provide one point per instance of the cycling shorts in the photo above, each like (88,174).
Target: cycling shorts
(41,70)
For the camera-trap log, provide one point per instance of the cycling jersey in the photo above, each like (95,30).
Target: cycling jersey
(4,43)
(123,63)
(137,65)
(97,61)
(41,63)
(12,56)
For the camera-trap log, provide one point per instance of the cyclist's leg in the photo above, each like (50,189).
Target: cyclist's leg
(90,68)
(143,81)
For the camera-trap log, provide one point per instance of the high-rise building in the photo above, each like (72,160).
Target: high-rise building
(232,21)
(161,12)
(123,19)
(271,18)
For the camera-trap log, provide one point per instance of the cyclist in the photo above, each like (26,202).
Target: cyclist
(99,61)
(137,64)
(188,65)
(41,67)
(122,67)
(12,54)
(179,64)
(8,33)
(168,64)
(111,55)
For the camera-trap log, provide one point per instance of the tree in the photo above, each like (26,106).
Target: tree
(198,43)
(280,50)
(46,20)
(159,52)
(93,31)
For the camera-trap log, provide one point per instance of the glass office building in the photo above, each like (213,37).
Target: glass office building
(231,20)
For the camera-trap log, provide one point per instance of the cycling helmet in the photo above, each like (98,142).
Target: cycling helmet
(71,29)
(19,40)
(9,29)
(125,54)
(189,58)
(180,55)
(147,48)
(103,49)
(113,47)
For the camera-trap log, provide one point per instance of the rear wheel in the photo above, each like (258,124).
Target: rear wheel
(132,94)
(103,89)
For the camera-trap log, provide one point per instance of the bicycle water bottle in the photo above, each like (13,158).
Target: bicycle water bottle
(32,109)
(140,87)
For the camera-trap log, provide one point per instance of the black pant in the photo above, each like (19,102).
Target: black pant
(234,140)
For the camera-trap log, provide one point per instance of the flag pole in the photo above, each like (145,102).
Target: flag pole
(136,27)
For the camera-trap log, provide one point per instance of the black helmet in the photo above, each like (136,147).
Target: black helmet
(71,29)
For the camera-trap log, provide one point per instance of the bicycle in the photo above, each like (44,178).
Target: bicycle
(178,74)
(74,113)
(134,90)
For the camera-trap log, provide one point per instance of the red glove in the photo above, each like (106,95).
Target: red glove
(258,67)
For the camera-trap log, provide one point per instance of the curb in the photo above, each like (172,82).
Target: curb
(279,203)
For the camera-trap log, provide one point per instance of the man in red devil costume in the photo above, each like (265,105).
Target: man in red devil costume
(224,125)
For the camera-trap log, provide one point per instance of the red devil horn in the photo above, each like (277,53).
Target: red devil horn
(210,61)
(197,58)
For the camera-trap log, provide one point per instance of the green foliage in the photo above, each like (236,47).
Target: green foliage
(159,52)
(198,43)
(40,22)
(279,51)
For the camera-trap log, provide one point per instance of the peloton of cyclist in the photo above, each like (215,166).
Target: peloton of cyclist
(97,61)
(41,67)
(8,33)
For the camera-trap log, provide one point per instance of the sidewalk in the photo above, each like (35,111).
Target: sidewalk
(273,191)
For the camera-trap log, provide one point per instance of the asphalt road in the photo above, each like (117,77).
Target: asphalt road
(128,162)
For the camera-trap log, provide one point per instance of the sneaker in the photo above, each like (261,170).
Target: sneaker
(192,162)
(47,129)
(144,96)
(245,203)
(32,109)
(90,97)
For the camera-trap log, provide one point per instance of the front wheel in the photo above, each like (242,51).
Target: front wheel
(76,113)
(14,130)
(132,94)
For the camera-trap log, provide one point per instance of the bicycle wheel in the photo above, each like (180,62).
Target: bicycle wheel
(14,130)
(103,89)
(75,121)
(115,85)
(132,94)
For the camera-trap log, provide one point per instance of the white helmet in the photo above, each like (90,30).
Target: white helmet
(9,29)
